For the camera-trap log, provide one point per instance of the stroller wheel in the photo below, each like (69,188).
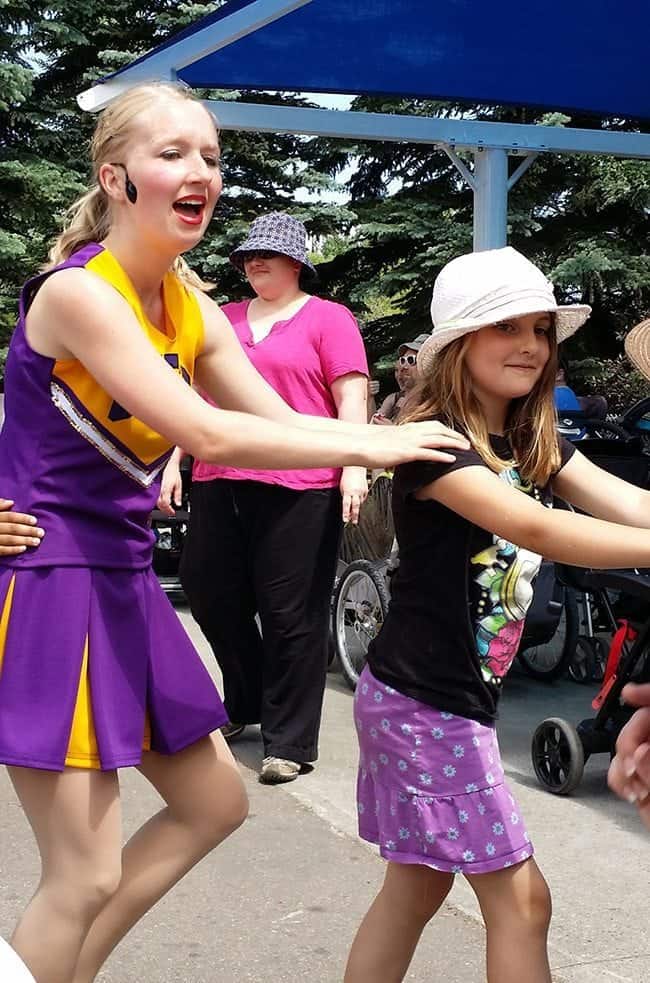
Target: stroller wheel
(583,661)
(601,652)
(359,608)
(558,756)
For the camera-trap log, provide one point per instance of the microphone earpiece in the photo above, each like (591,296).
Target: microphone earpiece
(129,187)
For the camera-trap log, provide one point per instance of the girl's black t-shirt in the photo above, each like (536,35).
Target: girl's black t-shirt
(458,597)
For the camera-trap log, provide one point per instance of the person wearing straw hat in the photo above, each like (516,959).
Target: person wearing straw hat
(431,788)
(629,772)
(637,347)
(267,541)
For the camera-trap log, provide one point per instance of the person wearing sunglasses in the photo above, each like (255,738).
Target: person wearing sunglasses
(405,376)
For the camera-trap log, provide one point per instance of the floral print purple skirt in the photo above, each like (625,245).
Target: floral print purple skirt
(431,788)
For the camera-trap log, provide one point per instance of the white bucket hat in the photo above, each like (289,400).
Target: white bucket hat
(483,288)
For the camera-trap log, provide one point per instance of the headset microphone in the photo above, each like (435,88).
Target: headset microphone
(129,187)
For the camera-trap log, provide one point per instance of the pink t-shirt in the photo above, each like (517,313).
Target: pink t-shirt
(300,358)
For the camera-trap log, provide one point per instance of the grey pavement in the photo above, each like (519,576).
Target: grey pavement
(282,898)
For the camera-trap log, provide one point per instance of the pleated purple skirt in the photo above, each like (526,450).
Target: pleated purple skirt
(116,626)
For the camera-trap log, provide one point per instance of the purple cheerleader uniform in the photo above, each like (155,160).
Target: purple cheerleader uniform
(94,665)
(431,787)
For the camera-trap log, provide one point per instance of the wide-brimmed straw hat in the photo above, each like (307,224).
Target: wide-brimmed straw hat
(278,233)
(637,347)
(483,288)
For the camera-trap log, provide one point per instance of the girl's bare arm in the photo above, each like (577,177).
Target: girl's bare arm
(480,496)
(601,494)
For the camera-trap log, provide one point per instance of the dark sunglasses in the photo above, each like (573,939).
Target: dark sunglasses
(408,360)
(259,254)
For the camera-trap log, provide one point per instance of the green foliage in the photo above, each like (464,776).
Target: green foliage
(49,52)
(583,219)
(609,377)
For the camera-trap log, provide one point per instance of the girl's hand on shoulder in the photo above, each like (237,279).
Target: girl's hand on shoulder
(354,489)
(17,530)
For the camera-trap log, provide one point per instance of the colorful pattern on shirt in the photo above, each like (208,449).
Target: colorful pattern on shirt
(505,577)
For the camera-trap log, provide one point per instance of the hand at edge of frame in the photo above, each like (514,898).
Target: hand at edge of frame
(18,531)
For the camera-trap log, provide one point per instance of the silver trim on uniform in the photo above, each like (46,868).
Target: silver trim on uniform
(99,441)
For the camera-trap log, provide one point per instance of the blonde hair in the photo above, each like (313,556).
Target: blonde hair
(447,391)
(88,219)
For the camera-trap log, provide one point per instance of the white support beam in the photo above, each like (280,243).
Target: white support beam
(521,170)
(455,133)
(460,166)
(490,199)
(166,63)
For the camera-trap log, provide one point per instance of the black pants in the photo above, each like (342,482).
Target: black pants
(250,548)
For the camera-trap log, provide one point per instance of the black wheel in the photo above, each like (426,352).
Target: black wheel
(558,756)
(601,653)
(550,660)
(360,606)
(582,664)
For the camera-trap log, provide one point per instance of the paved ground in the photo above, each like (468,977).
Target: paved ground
(281,900)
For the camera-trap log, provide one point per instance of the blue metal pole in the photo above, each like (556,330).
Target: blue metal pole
(490,198)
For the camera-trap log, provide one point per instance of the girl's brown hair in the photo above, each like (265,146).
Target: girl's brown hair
(89,218)
(531,425)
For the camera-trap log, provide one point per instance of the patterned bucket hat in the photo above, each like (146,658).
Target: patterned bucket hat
(278,233)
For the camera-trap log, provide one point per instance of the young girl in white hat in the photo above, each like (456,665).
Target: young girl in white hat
(431,788)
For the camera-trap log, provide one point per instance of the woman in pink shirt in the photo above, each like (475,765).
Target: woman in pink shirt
(266,542)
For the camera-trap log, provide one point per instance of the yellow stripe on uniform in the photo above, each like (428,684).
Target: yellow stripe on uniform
(83,751)
(82,746)
(4,618)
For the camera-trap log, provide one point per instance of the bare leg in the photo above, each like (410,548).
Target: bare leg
(387,937)
(205,802)
(76,819)
(516,906)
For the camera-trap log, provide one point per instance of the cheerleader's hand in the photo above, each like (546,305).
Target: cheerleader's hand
(18,532)
(171,488)
(428,440)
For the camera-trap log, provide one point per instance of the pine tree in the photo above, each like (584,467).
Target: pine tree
(583,219)
(49,52)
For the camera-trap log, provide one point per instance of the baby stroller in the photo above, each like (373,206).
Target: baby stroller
(361,591)
(560,750)
(170,532)
(613,600)
(616,446)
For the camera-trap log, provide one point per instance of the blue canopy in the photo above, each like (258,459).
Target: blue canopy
(582,55)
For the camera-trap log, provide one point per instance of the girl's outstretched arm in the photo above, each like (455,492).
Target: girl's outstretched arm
(486,500)
(77,315)
(589,488)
